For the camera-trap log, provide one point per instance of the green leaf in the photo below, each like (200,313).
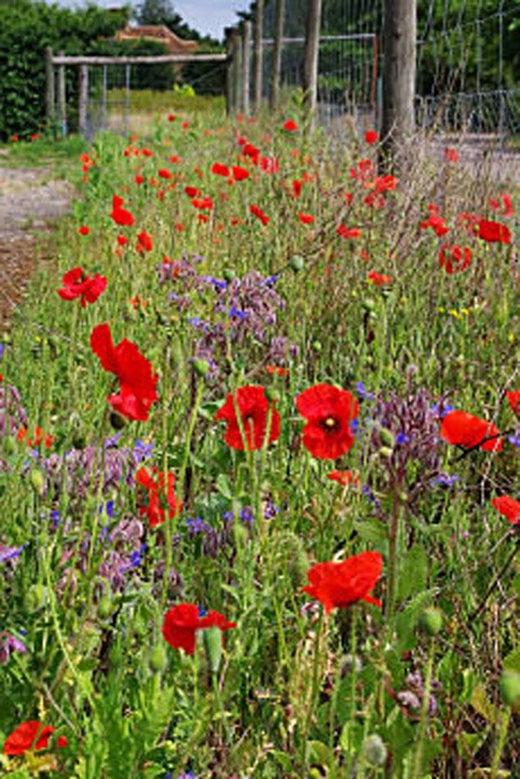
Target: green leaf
(372,530)
(224,487)
(512,661)
(413,574)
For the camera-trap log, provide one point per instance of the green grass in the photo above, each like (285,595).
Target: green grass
(46,152)
(295,694)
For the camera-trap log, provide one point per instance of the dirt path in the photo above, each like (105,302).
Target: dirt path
(29,202)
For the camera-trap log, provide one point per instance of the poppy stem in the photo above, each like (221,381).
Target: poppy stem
(493,584)
(314,693)
(418,771)
(189,436)
(393,544)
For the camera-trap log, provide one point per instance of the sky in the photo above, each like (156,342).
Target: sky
(209,17)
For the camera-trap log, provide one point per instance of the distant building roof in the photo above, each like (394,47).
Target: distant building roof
(160,33)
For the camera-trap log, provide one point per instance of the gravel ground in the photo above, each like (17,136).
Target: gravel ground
(29,202)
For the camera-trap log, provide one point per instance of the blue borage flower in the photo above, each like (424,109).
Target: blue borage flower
(219,284)
(237,313)
(445,479)
(10,552)
(362,392)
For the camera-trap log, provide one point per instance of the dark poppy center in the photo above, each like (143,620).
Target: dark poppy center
(330,424)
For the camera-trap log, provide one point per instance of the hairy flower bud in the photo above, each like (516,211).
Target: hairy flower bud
(374,750)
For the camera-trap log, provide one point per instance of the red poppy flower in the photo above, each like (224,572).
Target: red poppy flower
(451,154)
(239,173)
(379,279)
(84,230)
(164,173)
(29,735)
(290,126)
(119,214)
(122,240)
(269,164)
(435,221)
(493,232)
(77,285)
(276,370)
(348,232)
(454,259)
(371,136)
(255,412)
(462,429)
(503,204)
(329,412)
(202,203)
(220,170)
(257,211)
(144,242)
(171,117)
(248,150)
(508,507)
(338,585)
(182,621)
(306,219)
(192,191)
(513,398)
(345,478)
(138,383)
(296,187)
(161,495)
(139,179)
(364,170)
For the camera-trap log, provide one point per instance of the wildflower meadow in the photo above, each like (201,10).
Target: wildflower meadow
(259,465)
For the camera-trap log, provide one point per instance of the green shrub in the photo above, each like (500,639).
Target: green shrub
(28,27)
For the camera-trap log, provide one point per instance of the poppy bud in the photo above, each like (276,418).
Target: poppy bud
(431,621)
(351,663)
(297,262)
(212,638)
(272,394)
(117,421)
(200,367)
(105,607)
(35,597)
(387,437)
(316,345)
(510,687)
(228,274)
(374,750)
(297,560)
(158,659)
(9,444)
(37,481)
(385,451)
(369,304)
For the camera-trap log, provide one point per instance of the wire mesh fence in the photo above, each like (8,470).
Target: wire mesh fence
(468,62)
(92,94)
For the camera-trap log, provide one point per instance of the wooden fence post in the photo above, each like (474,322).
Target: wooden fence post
(229,32)
(62,98)
(246,67)
(83,99)
(399,70)
(258,54)
(312,50)
(277,54)
(49,89)
(237,71)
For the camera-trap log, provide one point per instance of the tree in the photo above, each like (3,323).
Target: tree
(163,12)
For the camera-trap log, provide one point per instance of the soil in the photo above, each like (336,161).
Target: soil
(30,201)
